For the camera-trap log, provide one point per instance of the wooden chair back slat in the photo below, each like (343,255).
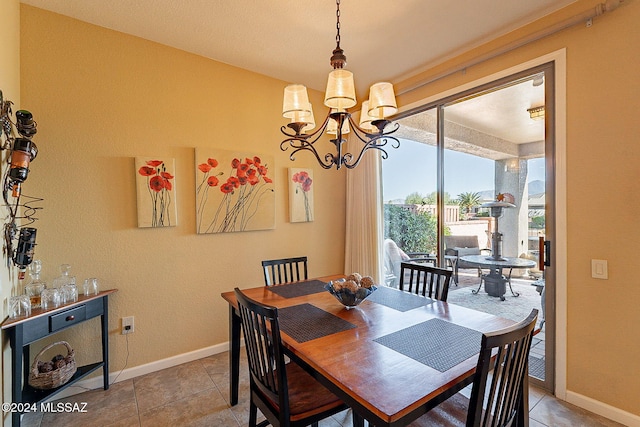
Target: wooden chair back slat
(285,270)
(425,280)
(500,402)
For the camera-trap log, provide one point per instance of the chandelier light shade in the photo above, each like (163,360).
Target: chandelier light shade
(340,95)
(365,118)
(309,119)
(332,127)
(341,91)
(295,102)
(382,101)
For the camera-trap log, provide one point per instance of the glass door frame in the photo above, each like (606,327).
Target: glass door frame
(550,185)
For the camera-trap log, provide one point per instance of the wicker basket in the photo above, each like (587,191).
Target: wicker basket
(55,378)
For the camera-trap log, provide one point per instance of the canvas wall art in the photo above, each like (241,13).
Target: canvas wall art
(156,194)
(234,191)
(301,194)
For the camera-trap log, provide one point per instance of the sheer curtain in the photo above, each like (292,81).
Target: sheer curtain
(363,241)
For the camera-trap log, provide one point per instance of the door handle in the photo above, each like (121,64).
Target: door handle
(547,253)
(544,253)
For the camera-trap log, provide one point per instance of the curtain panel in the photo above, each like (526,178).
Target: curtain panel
(364,220)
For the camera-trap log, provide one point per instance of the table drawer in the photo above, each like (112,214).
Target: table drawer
(67,318)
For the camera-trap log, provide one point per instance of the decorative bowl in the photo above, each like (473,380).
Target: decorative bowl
(348,297)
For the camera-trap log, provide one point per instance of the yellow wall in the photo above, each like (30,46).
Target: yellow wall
(102,98)
(10,86)
(603,100)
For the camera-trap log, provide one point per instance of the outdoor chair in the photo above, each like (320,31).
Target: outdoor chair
(459,246)
(285,270)
(284,392)
(428,281)
(393,256)
(499,394)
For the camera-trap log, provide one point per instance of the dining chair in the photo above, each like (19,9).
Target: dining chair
(425,280)
(284,270)
(394,255)
(284,392)
(497,394)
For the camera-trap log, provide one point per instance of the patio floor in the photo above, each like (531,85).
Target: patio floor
(515,308)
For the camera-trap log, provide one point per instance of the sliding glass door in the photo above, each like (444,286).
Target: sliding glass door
(471,186)
(410,199)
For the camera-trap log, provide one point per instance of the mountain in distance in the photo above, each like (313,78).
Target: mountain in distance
(536,187)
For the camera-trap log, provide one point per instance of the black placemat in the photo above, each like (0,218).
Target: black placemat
(306,322)
(398,300)
(435,343)
(298,289)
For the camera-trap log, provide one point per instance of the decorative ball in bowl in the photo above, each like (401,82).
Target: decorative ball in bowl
(352,290)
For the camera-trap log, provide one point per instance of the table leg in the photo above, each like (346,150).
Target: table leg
(515,294)
(16,341)
(479,286)
(234,355)
(454,267)
(26,361)
(104,319)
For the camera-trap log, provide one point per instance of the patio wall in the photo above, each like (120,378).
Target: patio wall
(475,227)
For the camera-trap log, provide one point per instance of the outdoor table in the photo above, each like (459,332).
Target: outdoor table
(495,283)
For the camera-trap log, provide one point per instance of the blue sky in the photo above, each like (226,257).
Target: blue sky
(412,168)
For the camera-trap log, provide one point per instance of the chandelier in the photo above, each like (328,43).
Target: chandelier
(340,95)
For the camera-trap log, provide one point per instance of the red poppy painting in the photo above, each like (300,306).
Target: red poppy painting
(155,183)
(234,191)
(300,195)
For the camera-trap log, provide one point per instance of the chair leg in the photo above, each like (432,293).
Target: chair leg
(455,274)
(357,420)
(253,414)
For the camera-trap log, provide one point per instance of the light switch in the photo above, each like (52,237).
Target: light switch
(599,269)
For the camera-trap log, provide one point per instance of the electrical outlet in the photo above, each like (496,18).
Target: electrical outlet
(127,325)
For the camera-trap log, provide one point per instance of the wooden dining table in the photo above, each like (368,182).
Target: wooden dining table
(391,359)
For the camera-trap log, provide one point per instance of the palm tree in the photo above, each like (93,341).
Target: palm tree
(468,201)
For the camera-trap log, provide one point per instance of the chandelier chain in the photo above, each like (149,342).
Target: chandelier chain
(338,23)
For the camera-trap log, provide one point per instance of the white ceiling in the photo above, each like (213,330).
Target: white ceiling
(292,40)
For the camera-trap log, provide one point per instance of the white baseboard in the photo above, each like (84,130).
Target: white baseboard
(600,408)
(592,405)
(136,371)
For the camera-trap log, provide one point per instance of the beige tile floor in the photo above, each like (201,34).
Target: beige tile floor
(197,394)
